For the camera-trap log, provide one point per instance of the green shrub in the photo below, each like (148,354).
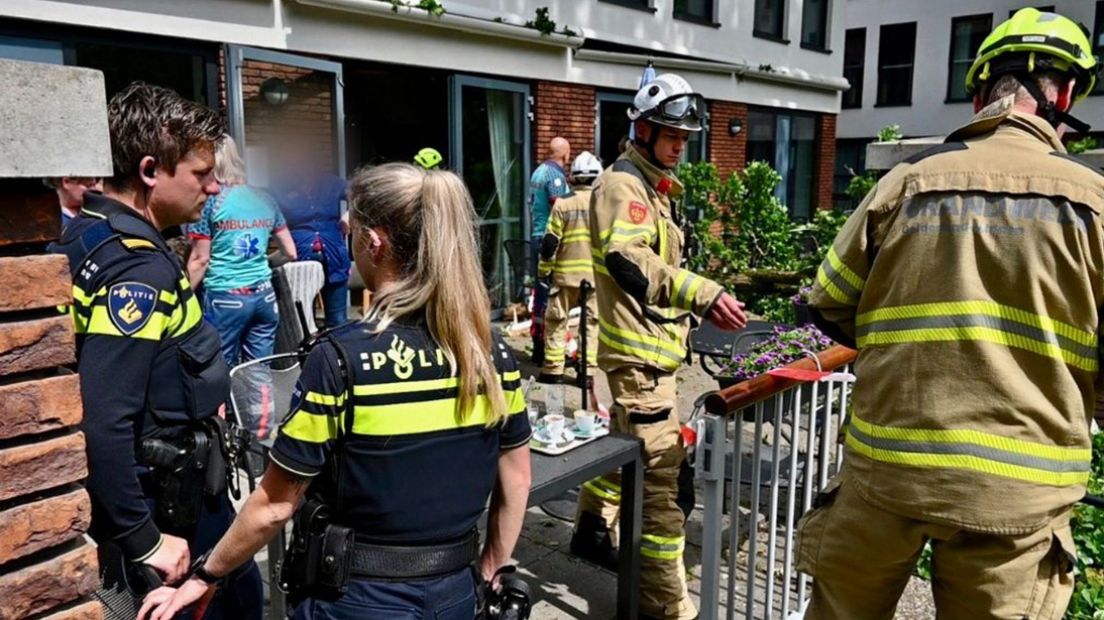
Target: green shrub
(1088,534)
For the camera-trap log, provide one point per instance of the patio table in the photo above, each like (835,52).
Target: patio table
(554,475)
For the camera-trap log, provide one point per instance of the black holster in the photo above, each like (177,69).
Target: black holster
(181,466)
(318,561)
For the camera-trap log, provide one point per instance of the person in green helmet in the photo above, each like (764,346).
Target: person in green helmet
(429,158)
(971,280)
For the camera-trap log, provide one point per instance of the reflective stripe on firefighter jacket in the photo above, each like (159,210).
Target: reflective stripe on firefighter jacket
(971,279)
(644,299)
(565,250)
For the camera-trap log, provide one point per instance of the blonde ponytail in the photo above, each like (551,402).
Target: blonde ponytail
(430,221)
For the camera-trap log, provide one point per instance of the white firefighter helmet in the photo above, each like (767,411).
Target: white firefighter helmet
(586,166)
(669,100)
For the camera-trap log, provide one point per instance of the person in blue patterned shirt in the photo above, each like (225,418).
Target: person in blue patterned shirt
(230,258)
(547,184)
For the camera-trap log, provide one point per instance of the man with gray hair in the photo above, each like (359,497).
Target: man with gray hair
(547,184)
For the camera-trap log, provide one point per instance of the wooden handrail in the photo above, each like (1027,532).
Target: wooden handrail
(757,389)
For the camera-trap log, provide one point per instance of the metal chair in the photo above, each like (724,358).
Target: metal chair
(296,283)
(260,399)
(517,253)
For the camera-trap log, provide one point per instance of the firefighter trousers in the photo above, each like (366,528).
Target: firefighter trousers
(861,557)
(555,329)
(644,406)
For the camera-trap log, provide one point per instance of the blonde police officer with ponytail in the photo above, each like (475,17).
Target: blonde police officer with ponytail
(644,303)
(564,265)
(971,278)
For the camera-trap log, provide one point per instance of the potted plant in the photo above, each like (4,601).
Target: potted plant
(783,346)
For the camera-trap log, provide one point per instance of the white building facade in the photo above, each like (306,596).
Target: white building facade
(377,80)
(907,60)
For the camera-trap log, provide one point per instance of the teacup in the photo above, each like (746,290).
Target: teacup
(554,425)
(585,421)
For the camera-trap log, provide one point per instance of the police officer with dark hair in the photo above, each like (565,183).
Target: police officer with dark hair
(152,379)
(401,427)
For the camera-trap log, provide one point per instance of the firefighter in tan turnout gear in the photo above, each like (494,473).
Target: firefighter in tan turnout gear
(564,264)
(644,305)
(971,279)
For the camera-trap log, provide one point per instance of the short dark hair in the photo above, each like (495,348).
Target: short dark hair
(155,121)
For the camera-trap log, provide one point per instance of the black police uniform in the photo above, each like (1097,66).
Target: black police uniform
(149,368)
(397,463)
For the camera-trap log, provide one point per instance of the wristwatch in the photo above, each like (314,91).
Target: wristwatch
(198,570)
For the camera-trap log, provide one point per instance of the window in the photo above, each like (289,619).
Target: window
(643,5)
(696,11)
(896,53)
(814,24)
(770,20)
(786,141)
(1098,42)
(1046,8)
(850,161)
(967,33)
(854,63)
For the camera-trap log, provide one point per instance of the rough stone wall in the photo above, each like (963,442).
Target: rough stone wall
(46,568)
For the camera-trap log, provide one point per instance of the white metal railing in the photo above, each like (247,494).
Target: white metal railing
(766,445)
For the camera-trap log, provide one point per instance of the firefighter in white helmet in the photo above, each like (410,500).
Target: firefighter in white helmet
(564,264)
(645,301)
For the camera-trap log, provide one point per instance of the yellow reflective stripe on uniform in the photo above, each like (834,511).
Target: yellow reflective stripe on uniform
(662,228)
(184,317)
(100,323)
(405,387)
(662,547)
(623,231)
(513,375)
(168,297)
(311,427)
(84,298)
(686,289)
(604,488)
(325,399)
(581,265)
(515,401)
(841,283)
(572,236)
(555,226)
(418,417)
(667,355)
(982,321)
(971,450)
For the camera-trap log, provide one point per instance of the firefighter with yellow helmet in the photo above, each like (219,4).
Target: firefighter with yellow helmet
(971,279)
(564,264)
(645,301)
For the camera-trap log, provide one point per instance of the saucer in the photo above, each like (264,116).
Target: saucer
(586,435)
(542,437)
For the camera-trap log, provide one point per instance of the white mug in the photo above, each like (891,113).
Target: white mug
(585,421)
(554,423)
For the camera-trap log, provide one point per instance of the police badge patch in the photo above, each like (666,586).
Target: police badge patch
(130,306)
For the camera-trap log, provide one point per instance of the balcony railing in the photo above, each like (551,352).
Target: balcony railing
(768,444)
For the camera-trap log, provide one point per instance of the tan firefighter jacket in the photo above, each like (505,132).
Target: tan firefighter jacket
(644,299)
(565,250)
(971,279)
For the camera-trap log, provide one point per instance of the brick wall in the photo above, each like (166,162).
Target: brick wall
(46,569)
(726,151)
(826,160)
(565,110)
(307,114)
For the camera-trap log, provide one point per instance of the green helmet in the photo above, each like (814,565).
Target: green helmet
(428,158)
(1030,41)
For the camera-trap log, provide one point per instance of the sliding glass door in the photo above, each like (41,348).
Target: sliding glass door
(489,121)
